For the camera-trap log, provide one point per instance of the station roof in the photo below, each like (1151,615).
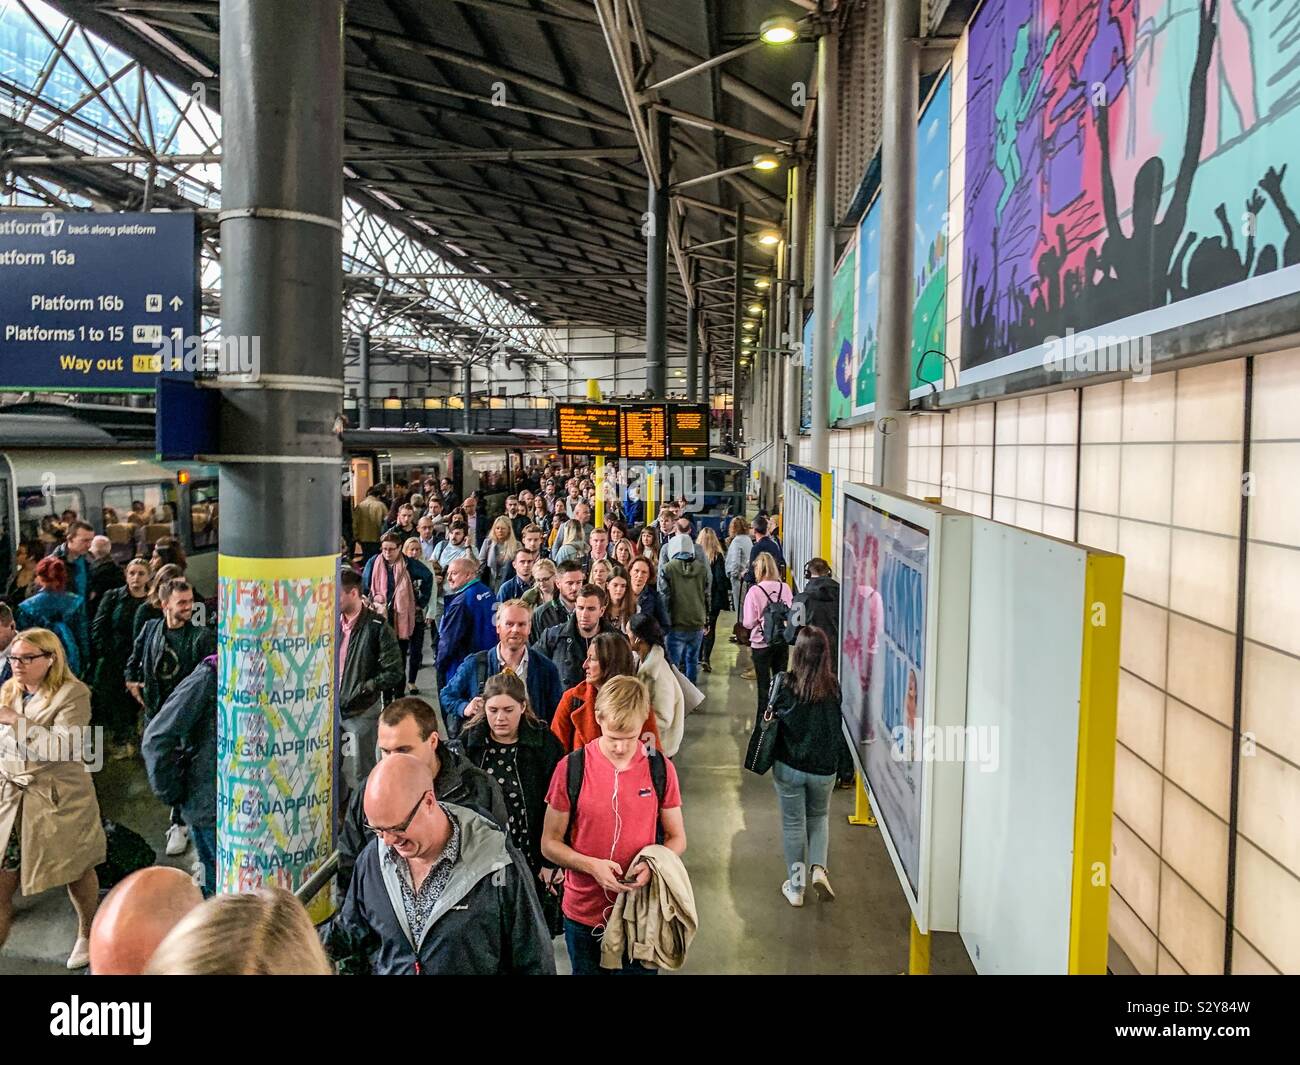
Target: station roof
(498,132)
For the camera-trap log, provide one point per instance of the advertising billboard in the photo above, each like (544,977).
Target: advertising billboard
(844,286)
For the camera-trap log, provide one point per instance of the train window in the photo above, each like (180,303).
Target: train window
(137,516)
(203,514)
(43,515)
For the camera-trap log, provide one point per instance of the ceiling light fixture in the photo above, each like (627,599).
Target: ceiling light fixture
(766,161)
(779,30)
(769,237)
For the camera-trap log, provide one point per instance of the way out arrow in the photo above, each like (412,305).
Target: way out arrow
(176,302)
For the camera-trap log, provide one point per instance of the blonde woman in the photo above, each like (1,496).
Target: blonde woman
(739,546)
(601,570)
(497,552)
(572,541)
(262,933)
(50,829)
(720,598)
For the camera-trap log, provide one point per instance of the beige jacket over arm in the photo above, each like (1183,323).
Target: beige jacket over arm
(657,922)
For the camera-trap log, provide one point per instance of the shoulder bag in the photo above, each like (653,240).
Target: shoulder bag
(762,741)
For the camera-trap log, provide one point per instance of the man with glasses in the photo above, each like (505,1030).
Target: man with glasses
(439,891)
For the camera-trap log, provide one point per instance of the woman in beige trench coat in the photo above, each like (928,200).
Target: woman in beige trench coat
(50,829)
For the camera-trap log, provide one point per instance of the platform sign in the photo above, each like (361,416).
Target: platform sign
(645,432)
(688,432)
(586,429)
(87,299)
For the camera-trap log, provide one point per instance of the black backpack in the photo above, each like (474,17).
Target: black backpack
(575,765)
(776,616)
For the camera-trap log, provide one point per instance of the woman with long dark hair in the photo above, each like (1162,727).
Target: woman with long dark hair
(667,701)
(574,724)
(513,746)
(806,702)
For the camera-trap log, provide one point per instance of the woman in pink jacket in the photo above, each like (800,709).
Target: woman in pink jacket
(768,588)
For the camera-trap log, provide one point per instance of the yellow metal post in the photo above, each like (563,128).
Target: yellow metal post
(918,951)
(862,814)
(594,393)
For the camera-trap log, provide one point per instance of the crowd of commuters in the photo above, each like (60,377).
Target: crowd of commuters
(528,799)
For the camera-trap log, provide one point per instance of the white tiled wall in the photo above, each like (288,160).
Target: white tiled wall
(1153,470)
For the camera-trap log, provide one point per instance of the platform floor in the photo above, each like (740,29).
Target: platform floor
(734,858)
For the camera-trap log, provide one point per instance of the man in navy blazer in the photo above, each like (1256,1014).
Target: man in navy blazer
(460,697)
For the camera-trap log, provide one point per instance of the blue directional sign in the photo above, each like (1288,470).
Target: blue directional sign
(95,302)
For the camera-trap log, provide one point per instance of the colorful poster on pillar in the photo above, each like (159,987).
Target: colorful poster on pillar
(844,295)
(275,727)
(929,261)
(805,414)
(886,564)
(1128,170)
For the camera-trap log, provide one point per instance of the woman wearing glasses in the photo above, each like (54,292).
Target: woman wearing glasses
(50,831)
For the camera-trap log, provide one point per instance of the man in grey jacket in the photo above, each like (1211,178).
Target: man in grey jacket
(440,891)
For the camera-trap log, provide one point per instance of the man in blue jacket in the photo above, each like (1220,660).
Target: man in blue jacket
(462,697)
(180,755)
(439,891)
(468,622)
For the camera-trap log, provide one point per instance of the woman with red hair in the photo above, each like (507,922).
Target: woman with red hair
(53,607)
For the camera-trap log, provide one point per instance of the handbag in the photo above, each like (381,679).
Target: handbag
(761,752)
(741,633)
(691,695)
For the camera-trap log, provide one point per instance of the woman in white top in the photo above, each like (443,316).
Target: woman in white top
(647,640)
(769,588)
(739,545)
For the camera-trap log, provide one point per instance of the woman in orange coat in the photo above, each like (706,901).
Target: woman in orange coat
(608,655)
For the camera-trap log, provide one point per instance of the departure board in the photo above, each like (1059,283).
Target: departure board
(586,429)
(688,432)
(645,432)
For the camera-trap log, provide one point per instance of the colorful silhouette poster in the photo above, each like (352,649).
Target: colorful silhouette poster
(844,285)
(929,261)
(882,666)
(1126,161)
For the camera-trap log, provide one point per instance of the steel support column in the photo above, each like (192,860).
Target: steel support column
(656,292)
(693,351)
(794,273)
(738,311)
(281,252)
(898,211)
(824,248)
(363,393)
(468,396)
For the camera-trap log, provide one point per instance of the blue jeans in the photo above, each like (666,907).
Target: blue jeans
(584,953)
(684,651)
(205,843)
(805,815)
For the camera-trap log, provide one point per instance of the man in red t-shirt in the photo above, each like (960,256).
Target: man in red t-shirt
(618,814)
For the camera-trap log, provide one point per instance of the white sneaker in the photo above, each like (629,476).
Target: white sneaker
(821,884)
(80,956)
(178,840)
(793,895)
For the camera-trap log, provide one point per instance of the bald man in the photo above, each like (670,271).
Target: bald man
(103,575)
(468,620)
(136,916)
(439,891)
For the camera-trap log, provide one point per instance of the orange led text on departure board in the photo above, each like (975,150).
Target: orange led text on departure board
(645,433)
(587,429)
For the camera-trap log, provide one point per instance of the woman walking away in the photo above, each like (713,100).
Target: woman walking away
(110,637)
(50,831)
(739,545)
(768,660)
(647,640)
(498,551)
(422,582)
(513,746)
(721,588)
(59,610)
(571,543)
(806,703)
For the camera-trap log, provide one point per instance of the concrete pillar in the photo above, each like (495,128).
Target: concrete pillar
(794,294)
(898,213)
(468,396)
(656,292)
(824,248)
(281,252)
(363,393)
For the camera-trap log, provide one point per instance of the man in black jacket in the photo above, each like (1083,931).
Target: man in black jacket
(409,726)
(818,604)
(566,644)
(568,581)
(440,891)
(370,663)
